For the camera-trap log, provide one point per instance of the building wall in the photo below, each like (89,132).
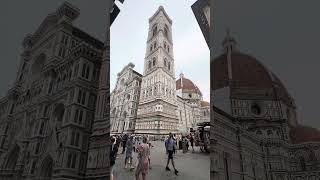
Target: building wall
(46,116)
(239,154)
(124,101)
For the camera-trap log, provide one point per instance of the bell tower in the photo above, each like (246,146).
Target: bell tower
(157,105)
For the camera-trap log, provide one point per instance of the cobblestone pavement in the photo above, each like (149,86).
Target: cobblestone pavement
(191,166)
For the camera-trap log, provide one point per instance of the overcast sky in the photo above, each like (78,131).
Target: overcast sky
(19,17)
(283,35)
(129,36)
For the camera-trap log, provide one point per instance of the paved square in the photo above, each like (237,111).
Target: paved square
(191,166)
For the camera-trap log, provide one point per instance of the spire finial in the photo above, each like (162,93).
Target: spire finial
(181,75)
(181,81)
(229,42)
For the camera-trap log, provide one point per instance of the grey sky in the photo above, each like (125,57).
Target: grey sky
(283,35)
(19,18)
(129,36)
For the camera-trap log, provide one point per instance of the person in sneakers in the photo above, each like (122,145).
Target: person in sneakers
(170,147)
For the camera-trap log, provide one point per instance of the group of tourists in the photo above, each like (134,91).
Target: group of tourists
(141,145)
(130,144)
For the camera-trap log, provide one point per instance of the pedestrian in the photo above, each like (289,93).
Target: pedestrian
(128,158)
(170,143)
(134,143)
(143,160)
(191,142)
(124,142)
(176,143)
(187,143)
(113,155)
(118,140)
(150,146)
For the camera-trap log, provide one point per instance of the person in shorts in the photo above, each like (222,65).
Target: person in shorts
(170,147)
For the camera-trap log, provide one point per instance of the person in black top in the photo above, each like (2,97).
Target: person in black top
(191,141)
(113,155)
(124,143)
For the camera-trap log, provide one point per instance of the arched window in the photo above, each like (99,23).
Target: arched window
(302,163)
(13,158)
(154,31)
(168,49)
(155,45)
(122,82)
(169,65)
(165,62)
(154,61)
(150,48)
(166,31)
(149,65)
(38,64)
(165,45)
(46,168)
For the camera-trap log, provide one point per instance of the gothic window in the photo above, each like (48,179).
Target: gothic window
(65,39)
(169,65)
(41,128)
(82,97)
(154,61)
(85,71)
(38,64)
(33,167)
(166,31)
(13,158)
(155,45)
(165,45)
(76,70)
(12,109)
(302,164)
(149,64)
(122,82)
(37,148)
(150,48)
(155,29)
(165,62)
(78,116)
(168,49)
(62,52)
(269,132)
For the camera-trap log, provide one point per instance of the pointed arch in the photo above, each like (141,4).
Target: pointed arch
(38,64)
(46,168)
(154,61)
(12,158)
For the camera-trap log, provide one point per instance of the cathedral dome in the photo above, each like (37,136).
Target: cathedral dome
(302,134)
(204,103)
(246,72)
(186,85)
